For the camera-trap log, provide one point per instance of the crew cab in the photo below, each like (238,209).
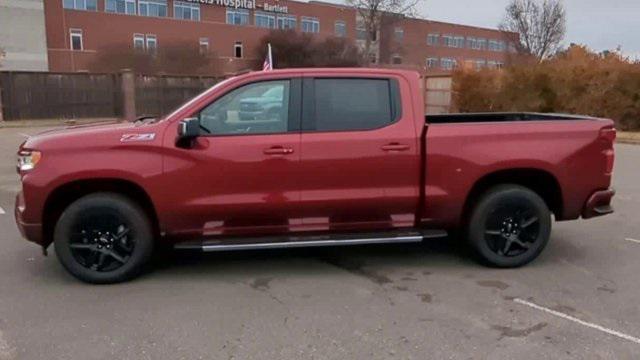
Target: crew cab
(351,159)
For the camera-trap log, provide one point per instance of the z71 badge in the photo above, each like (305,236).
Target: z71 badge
(137,137)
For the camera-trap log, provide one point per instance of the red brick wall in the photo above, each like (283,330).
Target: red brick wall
(414,49)
(105,30)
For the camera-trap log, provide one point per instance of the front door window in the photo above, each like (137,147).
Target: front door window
(258,108)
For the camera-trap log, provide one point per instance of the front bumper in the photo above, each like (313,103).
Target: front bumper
(31,232)
(599,204)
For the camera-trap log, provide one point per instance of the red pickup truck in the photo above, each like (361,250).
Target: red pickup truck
(338,157)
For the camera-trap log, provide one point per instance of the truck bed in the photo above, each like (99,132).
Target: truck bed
(461,149)
(498,117)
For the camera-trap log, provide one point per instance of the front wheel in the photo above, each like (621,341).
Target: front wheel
(103,238)
(509,226)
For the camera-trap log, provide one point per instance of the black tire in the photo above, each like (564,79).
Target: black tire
(103,238)
(509,227)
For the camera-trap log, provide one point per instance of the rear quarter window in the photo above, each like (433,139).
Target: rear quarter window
(352,104)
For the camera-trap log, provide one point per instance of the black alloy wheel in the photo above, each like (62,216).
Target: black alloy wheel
(103,238)
(510,226)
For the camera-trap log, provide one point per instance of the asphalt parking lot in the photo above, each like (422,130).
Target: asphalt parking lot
(579,300)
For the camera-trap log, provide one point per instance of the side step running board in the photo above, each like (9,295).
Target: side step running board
(312,241)
(309,243)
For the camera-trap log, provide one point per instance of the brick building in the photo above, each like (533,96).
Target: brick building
(80,33)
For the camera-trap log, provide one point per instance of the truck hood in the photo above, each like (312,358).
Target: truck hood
(92,135)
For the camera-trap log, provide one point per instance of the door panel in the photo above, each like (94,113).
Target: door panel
(240,176)
(248,189)
(357,179)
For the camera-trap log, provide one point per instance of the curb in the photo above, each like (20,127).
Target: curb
(628,141)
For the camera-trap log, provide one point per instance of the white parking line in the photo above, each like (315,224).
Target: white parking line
(633,240)
(2,212)
(576,320)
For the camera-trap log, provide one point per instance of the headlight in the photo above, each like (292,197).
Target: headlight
(28,159)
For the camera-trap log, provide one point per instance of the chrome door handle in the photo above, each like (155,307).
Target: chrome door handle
(395,147)
(278,150)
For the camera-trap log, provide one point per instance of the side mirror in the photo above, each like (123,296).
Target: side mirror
(188,129)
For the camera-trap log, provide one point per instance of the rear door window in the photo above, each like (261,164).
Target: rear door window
(340,104)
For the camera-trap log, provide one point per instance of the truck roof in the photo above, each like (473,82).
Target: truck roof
(340,71)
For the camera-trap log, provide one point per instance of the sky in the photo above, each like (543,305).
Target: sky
(599,24)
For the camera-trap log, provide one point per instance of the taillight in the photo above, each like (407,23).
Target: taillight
(608,135)
(610,156)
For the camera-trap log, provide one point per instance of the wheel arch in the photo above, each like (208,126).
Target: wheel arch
(540,181)
(61,197)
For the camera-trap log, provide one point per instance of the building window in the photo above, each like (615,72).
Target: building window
(472,43)
(237,50)
(497,45)
(76,39)
(361,32)
(186,11)
(433,39)
(432,63)
(265,20)
(152,44)
(453,41)
(480,64)
(203,45)
(476,43)
(495,64)
(91,5)
(310,24)
(396,59)
(398,34)
(448,41)
(120,6)
(340,29)
(157,8)
(482,43)
(237,17)
(138,42)
(448,63)
(286,22)
(513,48)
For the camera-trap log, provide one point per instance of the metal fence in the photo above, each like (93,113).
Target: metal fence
(40,95)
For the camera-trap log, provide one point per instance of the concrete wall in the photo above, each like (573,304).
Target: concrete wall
(22,35)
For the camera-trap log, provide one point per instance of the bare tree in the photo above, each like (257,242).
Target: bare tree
(371,15)
(540,23)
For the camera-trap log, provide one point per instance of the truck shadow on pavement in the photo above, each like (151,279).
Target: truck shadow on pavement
(353,259)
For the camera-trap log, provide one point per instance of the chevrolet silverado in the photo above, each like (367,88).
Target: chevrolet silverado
(350,159)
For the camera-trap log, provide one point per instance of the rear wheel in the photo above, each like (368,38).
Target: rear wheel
(103,238)
(509,227)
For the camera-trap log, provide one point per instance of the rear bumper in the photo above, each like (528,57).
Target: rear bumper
(31,232)
(599,204)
